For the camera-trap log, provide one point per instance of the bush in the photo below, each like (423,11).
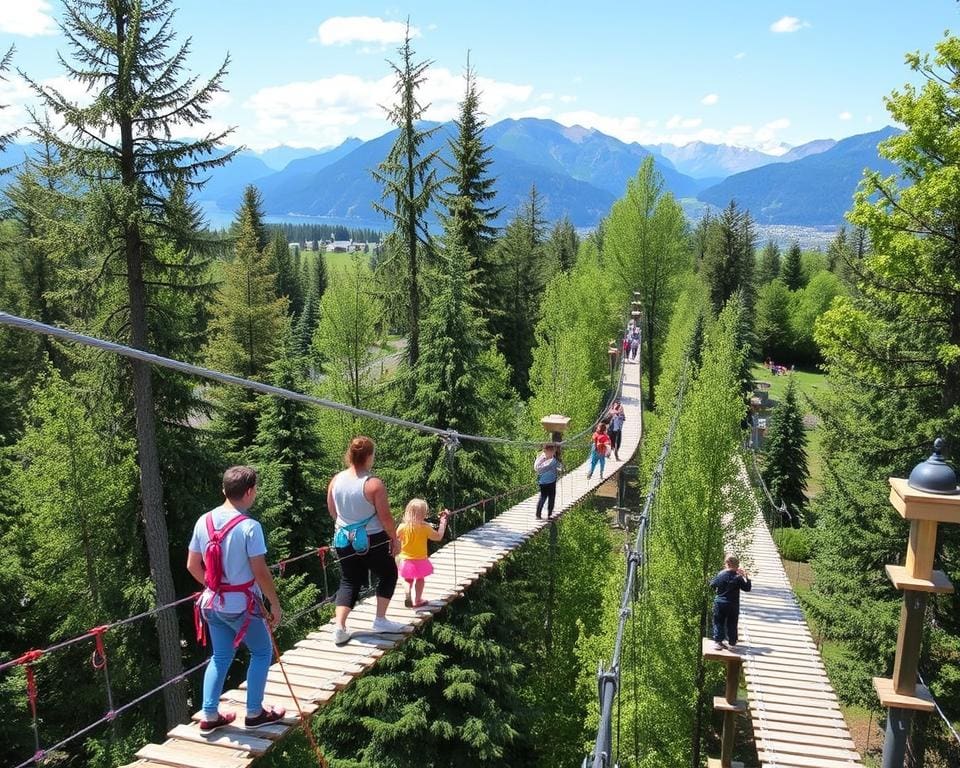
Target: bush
(793,543)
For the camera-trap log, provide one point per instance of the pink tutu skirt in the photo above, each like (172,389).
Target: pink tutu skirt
(415,569)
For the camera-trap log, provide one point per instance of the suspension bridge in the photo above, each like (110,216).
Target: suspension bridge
(796,718)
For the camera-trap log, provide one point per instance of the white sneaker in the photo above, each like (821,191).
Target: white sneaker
(385,625)
(341,636)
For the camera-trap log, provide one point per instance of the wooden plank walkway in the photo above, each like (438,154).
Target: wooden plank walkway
(797,721)
(318,669)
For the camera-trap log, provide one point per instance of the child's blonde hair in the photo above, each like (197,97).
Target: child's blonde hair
(415,512)
(732,561)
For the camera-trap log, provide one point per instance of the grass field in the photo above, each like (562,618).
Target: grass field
(810,386)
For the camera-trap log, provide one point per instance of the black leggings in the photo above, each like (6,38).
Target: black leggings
(548,493)
(354,569)
(615,437)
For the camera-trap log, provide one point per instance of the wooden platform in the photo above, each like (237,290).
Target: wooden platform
(318,669)
(796,717)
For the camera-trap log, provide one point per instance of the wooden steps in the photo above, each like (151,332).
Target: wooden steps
(318,669)
(797,721)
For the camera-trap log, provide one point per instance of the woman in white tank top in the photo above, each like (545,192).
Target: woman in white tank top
(357,499)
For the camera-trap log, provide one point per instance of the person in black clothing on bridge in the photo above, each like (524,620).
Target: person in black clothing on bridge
(726,605)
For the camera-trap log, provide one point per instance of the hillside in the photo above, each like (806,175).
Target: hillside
(813,191)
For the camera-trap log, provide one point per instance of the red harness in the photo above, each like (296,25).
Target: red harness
(214,578)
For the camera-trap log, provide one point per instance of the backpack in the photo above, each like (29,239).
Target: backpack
(354,534)
(214,578)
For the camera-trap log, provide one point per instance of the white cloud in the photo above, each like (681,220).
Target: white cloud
(788,24)
(710,99)
(568,99)
(344,30)
(683,122)
(541,112)
(868,119)
(741,55)
(27,17)
(845,116)
(326,111)
(679,130)
(546,96)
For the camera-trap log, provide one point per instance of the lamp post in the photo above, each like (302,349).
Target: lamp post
(929,497)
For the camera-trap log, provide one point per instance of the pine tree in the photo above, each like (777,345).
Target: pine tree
(409,179)
(249,325)
(5,61)
(288,280)
(459,384)
(468,203)
(252,206)
(729,260)
(791,272)
(769,267)
(772,321)
(562,246)
(785,451)
(119,146)
(521,277)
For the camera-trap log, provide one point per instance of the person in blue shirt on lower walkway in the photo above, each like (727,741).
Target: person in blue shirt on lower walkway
(726,605)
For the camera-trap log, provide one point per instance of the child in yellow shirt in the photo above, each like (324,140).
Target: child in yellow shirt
(415,563)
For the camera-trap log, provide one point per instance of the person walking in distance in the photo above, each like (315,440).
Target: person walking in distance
(414,533)
(548,467)
(729,583)
(615,430)
(600,449)
(365,539)
(227,555)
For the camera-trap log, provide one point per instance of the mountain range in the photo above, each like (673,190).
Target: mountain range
(579,172)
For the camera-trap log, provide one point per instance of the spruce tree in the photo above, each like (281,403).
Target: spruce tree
(249,325)
(728,264)
(562,246)
(468,203)
(785,451)
(769,268)
(119,146)
(459,384)
(252,206)
(791,271)
(521,277)
(288,281)
(409,180)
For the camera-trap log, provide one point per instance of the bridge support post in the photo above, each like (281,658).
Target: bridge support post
(729,704)
(929,497)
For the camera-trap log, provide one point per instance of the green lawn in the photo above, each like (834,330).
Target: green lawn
(810,386)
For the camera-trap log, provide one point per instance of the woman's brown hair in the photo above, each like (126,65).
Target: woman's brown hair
(360,449)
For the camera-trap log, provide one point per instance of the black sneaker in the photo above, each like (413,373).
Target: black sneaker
(266,717)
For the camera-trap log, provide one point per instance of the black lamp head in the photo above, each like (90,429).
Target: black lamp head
(934,475)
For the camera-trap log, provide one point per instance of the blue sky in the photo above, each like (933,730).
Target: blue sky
(744,72)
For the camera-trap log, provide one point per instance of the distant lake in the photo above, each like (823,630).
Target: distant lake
(218,218)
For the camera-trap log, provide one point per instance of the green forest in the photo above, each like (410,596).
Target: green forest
(106,463)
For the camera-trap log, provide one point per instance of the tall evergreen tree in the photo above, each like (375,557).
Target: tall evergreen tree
(768,269)
(460,384)
(251,206)
(5,61)
(469,200)
(288,280)
(791,271)
(562,246)
(785,451)
(521,278)
(409,179)
(119,145)
(728,264)
(647,252)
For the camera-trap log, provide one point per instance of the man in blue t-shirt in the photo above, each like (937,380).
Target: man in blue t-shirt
(234,610)
(726,605)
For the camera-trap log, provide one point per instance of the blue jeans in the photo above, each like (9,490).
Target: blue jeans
(726,617)
(223,628)
(594,458)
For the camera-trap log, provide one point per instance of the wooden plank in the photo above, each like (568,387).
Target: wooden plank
(787,734)
(239,697)
(814,748)
(191,755)
(232,738)
(240,710)
(779,760)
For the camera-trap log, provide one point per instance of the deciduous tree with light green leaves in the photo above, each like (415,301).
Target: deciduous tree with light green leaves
(892,352)
(645,249)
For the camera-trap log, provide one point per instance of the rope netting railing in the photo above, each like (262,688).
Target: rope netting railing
(28,660)
(608,678)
